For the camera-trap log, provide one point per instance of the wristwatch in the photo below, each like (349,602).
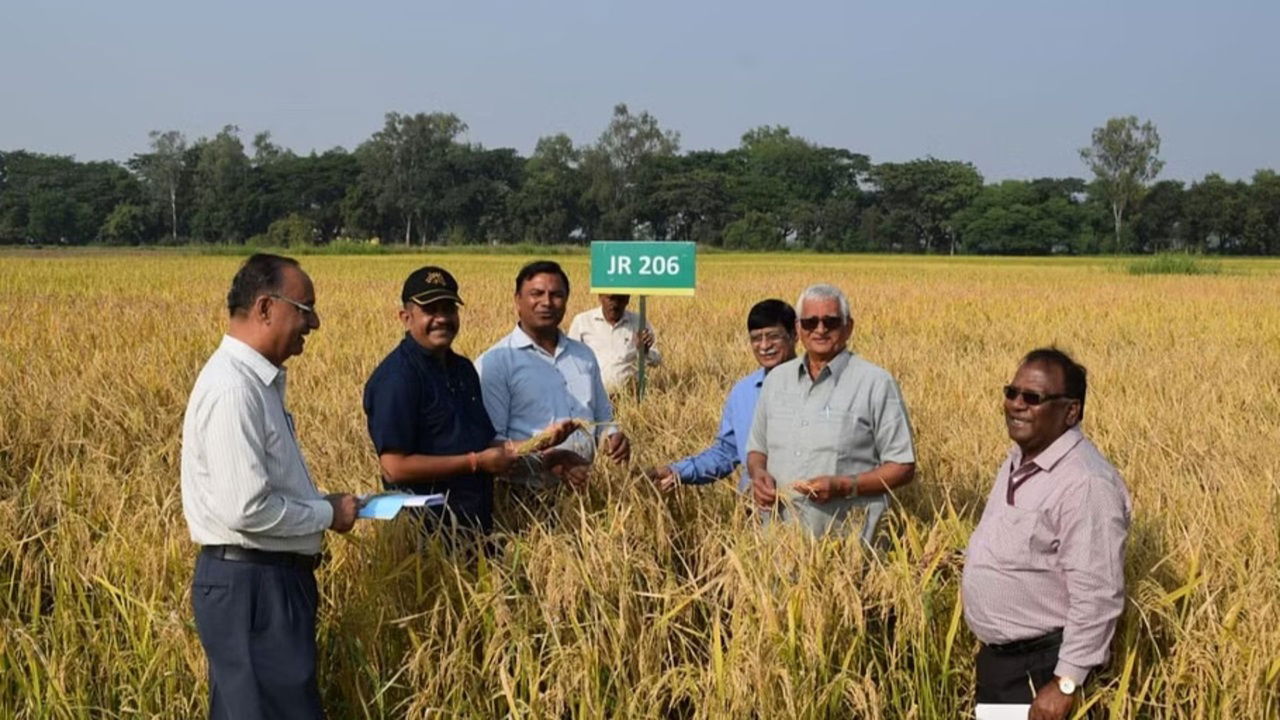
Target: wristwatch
(1066,686)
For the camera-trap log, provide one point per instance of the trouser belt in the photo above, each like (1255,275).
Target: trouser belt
(1030,645)
(235,553)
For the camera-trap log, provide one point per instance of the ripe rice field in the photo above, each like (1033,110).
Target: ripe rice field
(622,602)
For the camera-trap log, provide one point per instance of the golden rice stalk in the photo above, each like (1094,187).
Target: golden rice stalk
(543,438)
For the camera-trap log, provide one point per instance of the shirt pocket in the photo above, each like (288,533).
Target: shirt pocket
(1021,539)
(857,438)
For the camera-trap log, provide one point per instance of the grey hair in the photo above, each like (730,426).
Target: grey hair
(823,291)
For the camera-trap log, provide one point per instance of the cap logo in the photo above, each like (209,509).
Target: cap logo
(435,278)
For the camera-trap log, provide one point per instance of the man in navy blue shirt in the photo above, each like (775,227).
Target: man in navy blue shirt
(426,413)
(771,329)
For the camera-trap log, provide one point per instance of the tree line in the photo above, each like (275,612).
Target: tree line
(417,181)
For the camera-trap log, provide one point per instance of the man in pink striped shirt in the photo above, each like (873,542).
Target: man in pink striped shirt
(1043,581)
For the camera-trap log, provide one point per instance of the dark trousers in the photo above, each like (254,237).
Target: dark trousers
(1014,677)
(257,623)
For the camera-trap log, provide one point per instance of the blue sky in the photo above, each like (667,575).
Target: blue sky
(1014,87)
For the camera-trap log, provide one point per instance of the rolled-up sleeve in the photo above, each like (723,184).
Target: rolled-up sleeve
(1095,524)
(237,463)
(892,426)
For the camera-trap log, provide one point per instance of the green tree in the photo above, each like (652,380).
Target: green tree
(1215,212)
(55,198)
(313,186)
(1262,216)
(754,231)
(225,199)
(127,224)
(919,198)
(613,166)
(547,207)
(1158,224)
(163,170)
(405,171)
(54,217)
(1016,217)
(1123,158)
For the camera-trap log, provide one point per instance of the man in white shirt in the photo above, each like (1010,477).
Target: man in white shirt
(614,334)
(249,501)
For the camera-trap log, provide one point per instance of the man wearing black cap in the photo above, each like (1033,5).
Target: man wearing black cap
(426,413)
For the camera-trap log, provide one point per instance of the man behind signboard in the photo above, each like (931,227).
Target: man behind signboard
(614,334)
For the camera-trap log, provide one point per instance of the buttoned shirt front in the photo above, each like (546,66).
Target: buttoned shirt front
(729,450)
(420,404)
(614,345)
(848,420)
(1048,553)
(527,388)
(244,481)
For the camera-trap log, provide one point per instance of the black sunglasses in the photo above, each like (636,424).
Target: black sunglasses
(830,322)
(1029,397)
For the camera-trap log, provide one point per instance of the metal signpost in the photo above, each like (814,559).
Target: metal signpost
(643,268)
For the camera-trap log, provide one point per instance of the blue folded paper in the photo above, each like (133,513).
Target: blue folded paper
(385,506)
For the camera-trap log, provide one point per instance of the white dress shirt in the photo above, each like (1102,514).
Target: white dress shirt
(614,345)
(244,481)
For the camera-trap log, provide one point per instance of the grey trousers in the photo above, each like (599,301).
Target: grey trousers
(257,623)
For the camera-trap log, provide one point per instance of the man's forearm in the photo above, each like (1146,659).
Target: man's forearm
(402,469)
(882,478)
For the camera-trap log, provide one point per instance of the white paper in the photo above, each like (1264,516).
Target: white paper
(994,711)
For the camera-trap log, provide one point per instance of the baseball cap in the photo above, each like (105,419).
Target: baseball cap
(429,284)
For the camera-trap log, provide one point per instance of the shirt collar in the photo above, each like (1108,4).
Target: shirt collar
(416,351)
(835,368)
(598,315)
(757,377)
(266,371)
(1052,455)
(520,339)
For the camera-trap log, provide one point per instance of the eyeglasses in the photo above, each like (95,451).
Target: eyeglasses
(830,322)
(306,309)
(766,338)
(1029,397)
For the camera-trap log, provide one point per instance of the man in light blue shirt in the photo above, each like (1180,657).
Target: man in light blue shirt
(771,331)
(536,376)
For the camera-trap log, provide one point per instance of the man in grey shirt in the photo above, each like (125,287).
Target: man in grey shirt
(251,505)
(830,437)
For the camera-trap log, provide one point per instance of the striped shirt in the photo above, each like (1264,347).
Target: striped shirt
(244,481)
(1048,553)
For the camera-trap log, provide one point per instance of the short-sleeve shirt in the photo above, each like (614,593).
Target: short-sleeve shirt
(848,421)
(417,404)
(613,345)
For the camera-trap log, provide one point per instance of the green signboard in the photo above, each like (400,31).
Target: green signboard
(643,268)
